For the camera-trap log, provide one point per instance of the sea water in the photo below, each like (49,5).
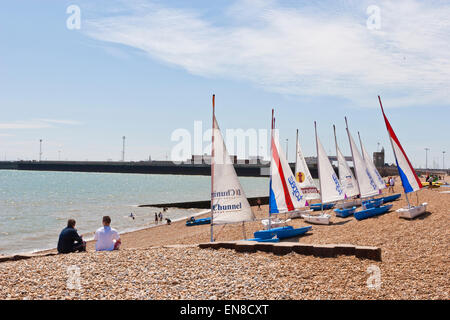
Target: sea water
(35,205)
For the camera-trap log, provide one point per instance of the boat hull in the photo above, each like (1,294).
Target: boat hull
(264,240)
(391,198)
(297,213)
(372,212)
(348,204)
(411,213)
(281,233)
(318,206)
(320,219)
(376,203)
(343,213)
(198,222)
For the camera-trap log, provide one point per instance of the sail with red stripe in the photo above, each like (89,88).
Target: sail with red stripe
(285,193)
(410,180)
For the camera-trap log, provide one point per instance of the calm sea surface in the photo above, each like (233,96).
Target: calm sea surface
(35,206)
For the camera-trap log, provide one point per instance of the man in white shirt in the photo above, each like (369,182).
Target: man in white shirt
(107,238)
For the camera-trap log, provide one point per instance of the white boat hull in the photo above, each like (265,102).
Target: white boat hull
(348,204)
(297,213)
(319,219)
(411,213)
(274,224)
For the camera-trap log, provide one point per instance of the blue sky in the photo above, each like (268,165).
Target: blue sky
(146,68)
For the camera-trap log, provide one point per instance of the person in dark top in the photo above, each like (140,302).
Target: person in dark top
(69,240)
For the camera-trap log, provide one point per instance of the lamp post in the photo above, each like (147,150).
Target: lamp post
(426,158)
(443,161)
(40,149)
(123,149)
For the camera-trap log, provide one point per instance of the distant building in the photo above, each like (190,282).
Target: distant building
(378,158)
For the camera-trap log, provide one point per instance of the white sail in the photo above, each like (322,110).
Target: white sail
(366,183)
(373,170)
(346,177)
(228,201)
(303,176)
(330,187)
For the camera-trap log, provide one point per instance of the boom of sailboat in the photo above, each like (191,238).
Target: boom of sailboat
(292,194)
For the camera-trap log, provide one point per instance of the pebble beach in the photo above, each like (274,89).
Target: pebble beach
(165,262)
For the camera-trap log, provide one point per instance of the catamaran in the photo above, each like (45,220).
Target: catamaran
(366,183)
(330,187)
(348,182)
(410,180)
(228,201)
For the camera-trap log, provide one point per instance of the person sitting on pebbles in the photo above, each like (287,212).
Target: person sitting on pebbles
(69,240)
(107,238)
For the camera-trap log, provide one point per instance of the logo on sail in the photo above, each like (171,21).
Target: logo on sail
(295,192)
(300,177)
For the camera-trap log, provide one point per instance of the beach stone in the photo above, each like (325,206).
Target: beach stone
(282,248)
(264,246)
(245,246)
(372,253)
(303,248)
(345,249)
(324,250)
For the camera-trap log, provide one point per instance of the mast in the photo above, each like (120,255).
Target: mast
(353,158)
(271,154)
(318,168)
(360,143)
(395,156)
(212,164)
(337,158)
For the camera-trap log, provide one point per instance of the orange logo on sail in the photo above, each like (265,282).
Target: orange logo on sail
(300,177)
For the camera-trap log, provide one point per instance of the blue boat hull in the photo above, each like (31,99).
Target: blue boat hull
(372,203)
(281,233)
(198,222)
(368,213)
(391,198)
(318,206)
(264,240)
(343,213)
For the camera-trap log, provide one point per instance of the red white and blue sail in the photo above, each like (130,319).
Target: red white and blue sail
(410,180)
(285,194)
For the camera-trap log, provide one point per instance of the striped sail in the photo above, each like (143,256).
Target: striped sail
(303,176)
(330,187)
(410,180)
(228,201)
(285,194)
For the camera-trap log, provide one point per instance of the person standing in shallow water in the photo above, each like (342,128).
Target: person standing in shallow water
(69,240)
(156,218)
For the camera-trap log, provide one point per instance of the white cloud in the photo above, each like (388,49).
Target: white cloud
(312,50)
(36,124)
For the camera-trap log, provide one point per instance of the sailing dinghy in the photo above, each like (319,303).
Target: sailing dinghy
(285,195)
(330,187)
(410,180)
(366,183)
(228,201)
(348,206)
